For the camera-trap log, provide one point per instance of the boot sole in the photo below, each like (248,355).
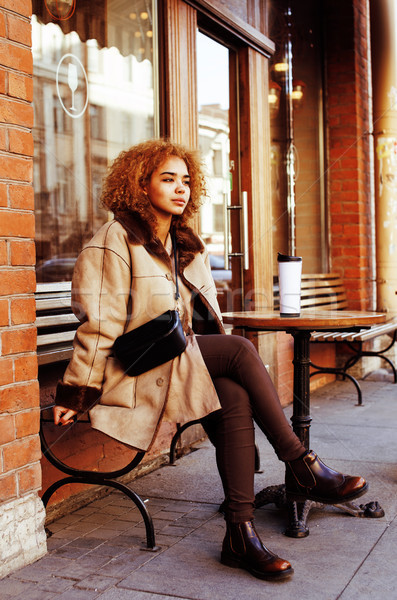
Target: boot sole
(235,563)
(299,497)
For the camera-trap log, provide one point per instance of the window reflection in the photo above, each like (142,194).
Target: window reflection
(297,154)
(214,141)
(94,96)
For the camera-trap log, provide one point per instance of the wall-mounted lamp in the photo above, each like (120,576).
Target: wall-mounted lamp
(298,92)
(61,9)
(274,98)
(280,70)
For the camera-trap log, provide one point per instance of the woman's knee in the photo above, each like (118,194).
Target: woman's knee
(233,397)
(239,345)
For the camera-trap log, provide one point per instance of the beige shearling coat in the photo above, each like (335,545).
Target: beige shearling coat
(122,279)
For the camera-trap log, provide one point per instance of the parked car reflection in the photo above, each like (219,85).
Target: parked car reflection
(57,268)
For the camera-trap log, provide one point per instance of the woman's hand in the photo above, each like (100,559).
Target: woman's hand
(63,416)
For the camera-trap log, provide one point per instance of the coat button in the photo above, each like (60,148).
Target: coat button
(160,381)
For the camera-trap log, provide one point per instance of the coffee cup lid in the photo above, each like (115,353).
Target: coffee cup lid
(285,258)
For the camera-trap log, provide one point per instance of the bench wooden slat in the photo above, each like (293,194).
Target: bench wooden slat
(56,303)
(55,339)
(53,288)
(319,276)
(56,320)
(331,304)
(323,284)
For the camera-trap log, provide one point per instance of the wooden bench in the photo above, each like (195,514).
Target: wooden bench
(56,326)
(326,291)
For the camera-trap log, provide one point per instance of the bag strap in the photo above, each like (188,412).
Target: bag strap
(176,265)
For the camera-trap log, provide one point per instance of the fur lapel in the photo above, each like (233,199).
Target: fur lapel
(140,233)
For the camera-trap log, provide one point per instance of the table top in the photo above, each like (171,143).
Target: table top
(309,320)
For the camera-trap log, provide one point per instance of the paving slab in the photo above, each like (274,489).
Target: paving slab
(377,576)
(96,552)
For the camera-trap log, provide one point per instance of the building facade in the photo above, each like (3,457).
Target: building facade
(278,97)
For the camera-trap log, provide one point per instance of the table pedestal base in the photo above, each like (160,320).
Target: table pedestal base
(298,512)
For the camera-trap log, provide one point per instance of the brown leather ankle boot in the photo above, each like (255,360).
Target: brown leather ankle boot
(242,548)
(308,478)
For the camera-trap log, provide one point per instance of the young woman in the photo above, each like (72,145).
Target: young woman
(124,278)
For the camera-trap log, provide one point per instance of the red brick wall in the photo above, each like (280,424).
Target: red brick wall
(348,148)
(19,394)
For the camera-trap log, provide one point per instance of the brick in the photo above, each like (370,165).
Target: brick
(19,397)
(3,139)
(17,281)
(336,229)
(23,311)
(22,7)
(21,452)
(16,341)
(7,429)
(4,314)
(354,273)
(19,30)
(345,218)
(353,230)
(16,224)
(21,196)
(3,194)
(20,86)
(15,112)
(2,25)
(8,487)
(29,478)
(16,168)
(3,253)
(25,368)
(16,57)
(6,371)
(27,423)
(23,253)
(20,142)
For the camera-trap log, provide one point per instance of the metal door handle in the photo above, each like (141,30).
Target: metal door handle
(243,207)
(246,261)
(226,232)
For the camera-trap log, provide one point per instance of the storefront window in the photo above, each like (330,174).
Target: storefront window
(295,102)
(95,95)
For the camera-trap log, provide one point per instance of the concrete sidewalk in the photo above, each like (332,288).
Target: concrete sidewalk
(96,552)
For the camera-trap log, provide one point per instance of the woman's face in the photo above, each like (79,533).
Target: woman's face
(169,188)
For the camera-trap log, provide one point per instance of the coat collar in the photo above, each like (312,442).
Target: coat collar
(140,233)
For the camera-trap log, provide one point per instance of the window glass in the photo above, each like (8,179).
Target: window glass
(94,95)
(295,102)
(214,141)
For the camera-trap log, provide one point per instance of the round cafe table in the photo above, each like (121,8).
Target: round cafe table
(301,329)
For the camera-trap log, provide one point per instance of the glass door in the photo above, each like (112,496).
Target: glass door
(221,214)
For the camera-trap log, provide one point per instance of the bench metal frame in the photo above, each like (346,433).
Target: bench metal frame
(359,352)
(105,478)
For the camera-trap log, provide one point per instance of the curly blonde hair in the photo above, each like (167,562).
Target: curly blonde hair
(131,171)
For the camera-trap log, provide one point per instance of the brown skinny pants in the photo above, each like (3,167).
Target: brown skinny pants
(246,394)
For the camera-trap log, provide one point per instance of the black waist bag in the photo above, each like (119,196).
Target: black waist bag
(151,344)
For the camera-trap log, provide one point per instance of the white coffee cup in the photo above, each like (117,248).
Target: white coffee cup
(289,282)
